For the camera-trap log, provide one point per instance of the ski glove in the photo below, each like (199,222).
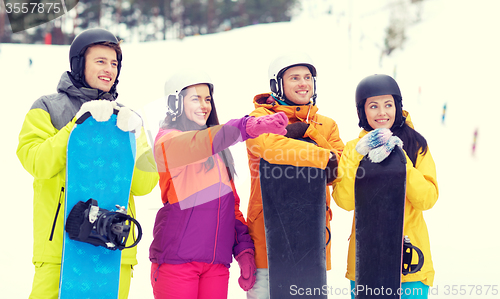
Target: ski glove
(331,169)
(246,261)
(273,123)
(378,144)
(101,110)
(127,120)
(296,130)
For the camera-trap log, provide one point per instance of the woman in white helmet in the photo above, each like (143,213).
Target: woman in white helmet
(292,79)
(200,227)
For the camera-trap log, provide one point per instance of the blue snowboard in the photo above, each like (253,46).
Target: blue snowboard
(380,190)
(100,164)
(294,204)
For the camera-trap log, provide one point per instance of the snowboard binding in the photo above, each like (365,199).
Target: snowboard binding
(408,267)
(100,227)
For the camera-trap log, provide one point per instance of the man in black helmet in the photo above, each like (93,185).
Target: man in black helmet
(94,42)
(90,86)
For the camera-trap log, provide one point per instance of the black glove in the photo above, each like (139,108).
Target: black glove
(331,169)
(296,130)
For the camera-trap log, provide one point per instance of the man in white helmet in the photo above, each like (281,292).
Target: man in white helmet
(90,87)
(292,80)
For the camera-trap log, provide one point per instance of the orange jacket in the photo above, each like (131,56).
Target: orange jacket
(283,150)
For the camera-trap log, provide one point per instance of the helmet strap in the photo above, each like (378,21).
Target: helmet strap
(281,91)
(77,68)
(175,106)
(315,95)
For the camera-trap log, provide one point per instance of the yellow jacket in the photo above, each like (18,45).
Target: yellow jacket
(42,152)
(286,151)
(421,194)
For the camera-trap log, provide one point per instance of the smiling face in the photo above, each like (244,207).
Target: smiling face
(298,84)
(198,103)
(101,67)
(380,111)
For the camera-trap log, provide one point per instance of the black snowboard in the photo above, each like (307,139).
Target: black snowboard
(380,190)
(294,205)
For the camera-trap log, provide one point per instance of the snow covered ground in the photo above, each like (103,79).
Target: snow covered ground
(451,57)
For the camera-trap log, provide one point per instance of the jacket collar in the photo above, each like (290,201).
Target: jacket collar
(68,86)
(303,113)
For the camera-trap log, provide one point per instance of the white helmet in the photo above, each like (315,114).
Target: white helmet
(282,63)
(180,81)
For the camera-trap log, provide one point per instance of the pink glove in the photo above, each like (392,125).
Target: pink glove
(273,123)
(246,261)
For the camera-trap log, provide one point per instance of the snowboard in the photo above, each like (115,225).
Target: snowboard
(294,204)
(380,190)
(100,164)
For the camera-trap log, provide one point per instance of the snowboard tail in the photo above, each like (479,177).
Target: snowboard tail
(294,204)
(100,165)
(380,190)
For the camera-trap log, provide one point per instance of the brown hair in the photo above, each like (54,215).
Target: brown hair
(114,46)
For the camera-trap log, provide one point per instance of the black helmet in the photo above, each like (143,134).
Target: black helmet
(377,85)
(80,45)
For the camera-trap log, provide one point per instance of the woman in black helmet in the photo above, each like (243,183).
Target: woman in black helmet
(95,60)
(381,115)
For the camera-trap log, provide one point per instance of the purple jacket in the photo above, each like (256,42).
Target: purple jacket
(200,220)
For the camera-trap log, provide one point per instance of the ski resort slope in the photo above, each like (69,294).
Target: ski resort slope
(449,58)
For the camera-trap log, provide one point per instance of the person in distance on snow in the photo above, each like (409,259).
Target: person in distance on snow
(90,86)
(200,227)
(381,115)
(293,91)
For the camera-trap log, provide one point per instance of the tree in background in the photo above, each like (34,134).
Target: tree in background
(395,32)
(404,13)
(149,20)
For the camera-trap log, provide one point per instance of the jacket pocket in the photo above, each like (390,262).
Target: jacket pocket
(61,194)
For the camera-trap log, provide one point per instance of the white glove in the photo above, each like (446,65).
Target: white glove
(127,120)
(101,110)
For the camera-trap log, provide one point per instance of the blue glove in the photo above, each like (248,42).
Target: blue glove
(378,144)
(373,139)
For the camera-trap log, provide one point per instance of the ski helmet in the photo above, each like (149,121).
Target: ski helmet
(279,65)
(178,82)
(377,85)
(79,46)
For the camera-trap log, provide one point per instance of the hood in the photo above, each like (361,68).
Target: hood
(406,114)
(66,85)
(303,113)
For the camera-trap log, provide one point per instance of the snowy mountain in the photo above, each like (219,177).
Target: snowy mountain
(450,58)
